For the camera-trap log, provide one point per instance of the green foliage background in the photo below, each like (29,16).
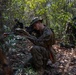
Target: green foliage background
(56,13)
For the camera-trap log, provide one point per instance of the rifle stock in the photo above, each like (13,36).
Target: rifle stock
(22,32)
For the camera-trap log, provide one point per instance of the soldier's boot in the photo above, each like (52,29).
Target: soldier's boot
(40,71)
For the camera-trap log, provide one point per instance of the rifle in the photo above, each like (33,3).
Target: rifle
(32,31)
(29,29)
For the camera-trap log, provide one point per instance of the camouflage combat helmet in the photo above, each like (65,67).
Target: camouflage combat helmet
(34,20)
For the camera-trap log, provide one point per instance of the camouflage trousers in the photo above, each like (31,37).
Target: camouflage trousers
(40,56)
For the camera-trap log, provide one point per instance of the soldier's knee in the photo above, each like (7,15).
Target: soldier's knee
(35,49)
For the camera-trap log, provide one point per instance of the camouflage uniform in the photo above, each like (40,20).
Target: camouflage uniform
(42,48)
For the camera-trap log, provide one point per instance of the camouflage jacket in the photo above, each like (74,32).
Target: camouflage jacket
(47,38)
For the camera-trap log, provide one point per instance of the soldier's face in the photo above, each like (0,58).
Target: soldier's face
(37,25)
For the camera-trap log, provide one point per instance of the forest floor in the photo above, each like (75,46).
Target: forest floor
(65,64)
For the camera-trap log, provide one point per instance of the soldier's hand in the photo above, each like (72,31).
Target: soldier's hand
(5,34)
